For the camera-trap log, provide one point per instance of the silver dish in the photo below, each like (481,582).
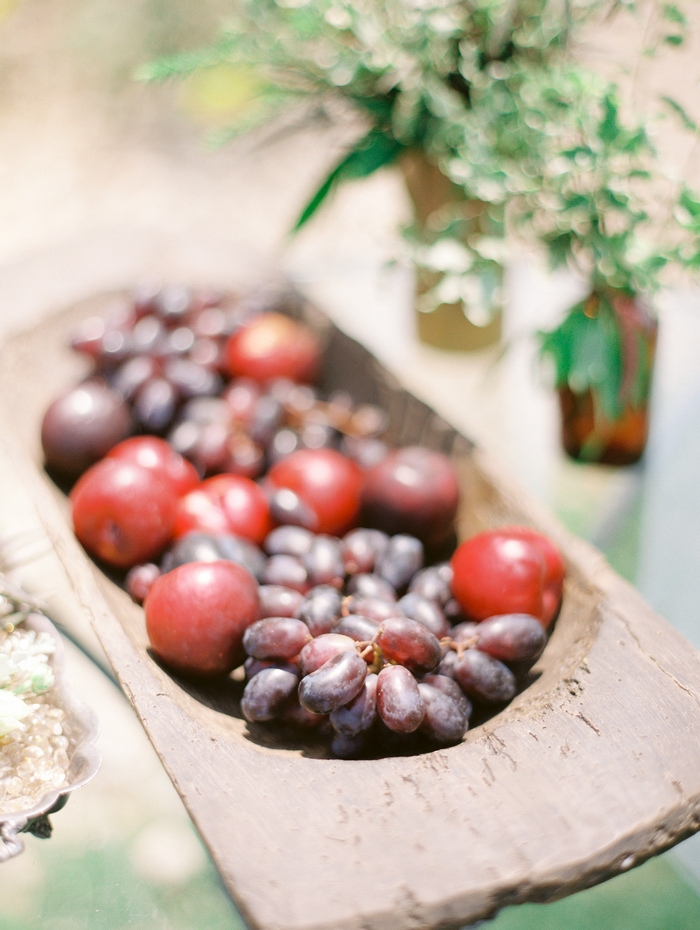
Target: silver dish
(84,759)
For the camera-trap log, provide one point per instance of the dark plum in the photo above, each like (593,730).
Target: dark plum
(412,490)
(82,425)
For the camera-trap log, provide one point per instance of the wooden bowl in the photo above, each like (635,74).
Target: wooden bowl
(589,771)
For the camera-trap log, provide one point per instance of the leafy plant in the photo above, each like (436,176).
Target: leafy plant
(489,92)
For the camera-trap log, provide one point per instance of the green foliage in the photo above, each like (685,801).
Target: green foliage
(488,91)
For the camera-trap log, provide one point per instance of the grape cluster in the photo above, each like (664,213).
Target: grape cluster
(161,356)
(362,640)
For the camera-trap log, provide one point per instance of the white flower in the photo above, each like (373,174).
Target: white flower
(12,711)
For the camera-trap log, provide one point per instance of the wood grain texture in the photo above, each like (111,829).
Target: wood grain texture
(592,769)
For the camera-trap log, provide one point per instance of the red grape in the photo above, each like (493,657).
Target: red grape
(399,702)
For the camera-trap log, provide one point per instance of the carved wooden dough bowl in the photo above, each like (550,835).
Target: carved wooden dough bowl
(592,769)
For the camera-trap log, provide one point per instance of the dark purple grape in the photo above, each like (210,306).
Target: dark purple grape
(367,584)
(322,648)
(252,666)
(245,457)
(361,548)
(324,561)
(321,609)
(399,702)
(446,667)
(446,715)
(190,379)
(276,638)
(177,342)
(361,629)
(128,379)
(155,405)
(117,346)
(139,579)
(298,716)
(288,507)
(206,410)
(243,552)
(334,684)
(278,601)
(409,643)
(283,443)
(484,678)
(288,540)
(512,637)
(266,419)
(319,436)
(144,296)
(366,452)
(359,714)
(82,425)
(376,608)
(465,632)
(447,684)
(402,559)
(425,611)
(172,304)
(208,353)
(267,693)
(286,570)
(147,335)
(433,582)
(206,547)
(348,747)
(204,444)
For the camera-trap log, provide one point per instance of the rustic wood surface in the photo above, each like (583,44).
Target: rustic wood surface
(592,769)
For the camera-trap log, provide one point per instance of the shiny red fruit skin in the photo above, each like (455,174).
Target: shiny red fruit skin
(224,504)
(554,568)
(196,616)
(413,490)
(154,452)
(273,346)
(123,513)
(327,481)
(496,573)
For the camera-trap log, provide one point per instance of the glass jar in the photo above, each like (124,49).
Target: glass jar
(587,433)
(458,305)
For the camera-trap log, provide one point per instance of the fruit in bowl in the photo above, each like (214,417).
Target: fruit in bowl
(321,563)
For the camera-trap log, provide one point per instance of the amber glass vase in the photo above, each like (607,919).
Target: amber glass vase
(453,325)
(587,433)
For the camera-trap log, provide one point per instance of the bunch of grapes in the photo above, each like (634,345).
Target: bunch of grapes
(228,381)
(376,650)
